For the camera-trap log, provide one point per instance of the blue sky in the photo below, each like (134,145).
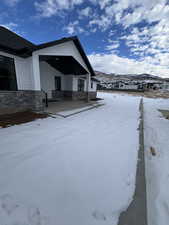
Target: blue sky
(119,36)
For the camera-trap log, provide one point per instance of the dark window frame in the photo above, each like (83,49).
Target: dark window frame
(58,83)
(8,79)
(81,85)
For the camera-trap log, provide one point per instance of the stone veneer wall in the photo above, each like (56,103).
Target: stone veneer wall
(76,95)
(57,94)
(93,95)
(13,101)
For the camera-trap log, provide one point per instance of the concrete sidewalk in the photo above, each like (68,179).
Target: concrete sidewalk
(67,105)
(136,214)
(69,108)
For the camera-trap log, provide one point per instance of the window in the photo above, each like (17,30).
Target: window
(58,83)
(80,85)
(7,74)
(92,84)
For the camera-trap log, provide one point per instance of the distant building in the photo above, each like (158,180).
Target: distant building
(143,85)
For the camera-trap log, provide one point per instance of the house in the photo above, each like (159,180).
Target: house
(29,72)
(152,85)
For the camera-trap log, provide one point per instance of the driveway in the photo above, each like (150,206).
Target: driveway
(78,170)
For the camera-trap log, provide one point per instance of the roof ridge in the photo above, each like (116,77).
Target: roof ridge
(58,40)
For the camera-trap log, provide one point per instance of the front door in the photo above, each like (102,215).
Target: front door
(57,83)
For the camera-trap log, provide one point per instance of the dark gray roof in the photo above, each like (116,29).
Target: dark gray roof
(95,79)
(12,43)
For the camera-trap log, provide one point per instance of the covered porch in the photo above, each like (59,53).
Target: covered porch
(63,77)
(66,108)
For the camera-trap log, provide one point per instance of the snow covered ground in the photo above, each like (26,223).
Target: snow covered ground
(78,170)
(157,167)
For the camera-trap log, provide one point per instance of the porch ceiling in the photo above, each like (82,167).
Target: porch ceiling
(65,64)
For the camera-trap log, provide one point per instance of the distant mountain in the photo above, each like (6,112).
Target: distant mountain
(110,77)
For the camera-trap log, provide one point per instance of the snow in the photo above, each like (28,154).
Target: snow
(157,167)
(75,170)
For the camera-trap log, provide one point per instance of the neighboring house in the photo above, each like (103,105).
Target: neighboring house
(152,85)
(119,85)
(165,86)
(27,71)
(141,85)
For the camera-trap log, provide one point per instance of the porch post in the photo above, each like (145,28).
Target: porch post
(88,86)
(36,72)
(38,97)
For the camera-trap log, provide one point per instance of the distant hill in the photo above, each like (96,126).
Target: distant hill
(110,77)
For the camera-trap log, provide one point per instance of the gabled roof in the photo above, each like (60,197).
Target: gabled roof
(12,43)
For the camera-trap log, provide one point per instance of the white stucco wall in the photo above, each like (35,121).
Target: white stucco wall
(94,89)
(75,85)
(31,74)
(24,73)
(64,49)
(23,69)
(69,83)
(75,82)
(47,78)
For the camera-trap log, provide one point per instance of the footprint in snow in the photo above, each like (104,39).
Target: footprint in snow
(8,204)
(13,210)
(35,217)
(99,215)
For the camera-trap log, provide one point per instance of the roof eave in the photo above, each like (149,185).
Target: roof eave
(77,44)
(83,54)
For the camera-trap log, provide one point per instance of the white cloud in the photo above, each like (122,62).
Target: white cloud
(132,18)
(112,11)
(104,3)
(48,8)
(86,12)
(154,14)
(10,26)
(93,30)
(115,11)
(73,28)
(113,45)
(148,41)
(101,3)
(102,22)
(111,63)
